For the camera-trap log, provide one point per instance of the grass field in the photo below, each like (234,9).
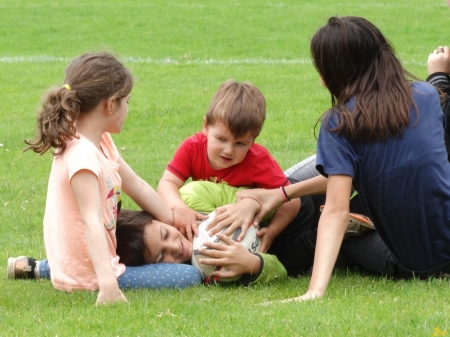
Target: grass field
(180,52)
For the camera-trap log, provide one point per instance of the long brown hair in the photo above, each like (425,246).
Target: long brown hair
(90,78)
(354,59)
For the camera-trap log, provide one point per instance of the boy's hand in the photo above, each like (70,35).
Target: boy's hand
(111,294)
(232,255)
(267,238)
(239,214)
(184,219)
(439,61)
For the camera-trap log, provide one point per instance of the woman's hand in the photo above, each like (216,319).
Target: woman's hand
(240,214)
(268,199)
(232,255)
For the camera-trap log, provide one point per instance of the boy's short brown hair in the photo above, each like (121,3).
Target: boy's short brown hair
(241,107)
(130,231)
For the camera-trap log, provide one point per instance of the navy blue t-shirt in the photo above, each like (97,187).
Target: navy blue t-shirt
(403,182)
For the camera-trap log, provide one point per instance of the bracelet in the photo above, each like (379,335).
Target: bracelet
(284,194)
(249,197)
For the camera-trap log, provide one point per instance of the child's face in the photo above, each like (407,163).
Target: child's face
(165,244)
(224,150)
(119,112)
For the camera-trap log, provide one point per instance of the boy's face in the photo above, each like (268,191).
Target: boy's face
(224,150)
(165,244)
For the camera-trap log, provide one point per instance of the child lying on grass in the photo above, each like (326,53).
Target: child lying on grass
(143,240)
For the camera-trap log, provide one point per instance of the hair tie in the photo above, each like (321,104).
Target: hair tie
(66,86)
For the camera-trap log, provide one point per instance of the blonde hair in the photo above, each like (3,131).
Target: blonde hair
(90,78)
(241,107)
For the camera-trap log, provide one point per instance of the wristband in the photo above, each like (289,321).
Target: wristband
(284,194)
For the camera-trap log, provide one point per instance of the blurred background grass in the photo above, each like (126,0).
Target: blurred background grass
(180,52)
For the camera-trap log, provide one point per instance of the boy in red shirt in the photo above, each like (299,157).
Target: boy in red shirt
(225,153)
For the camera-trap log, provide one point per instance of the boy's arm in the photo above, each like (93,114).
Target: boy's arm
(232,255)
(184,217)
(261,268)
(283,217)
(271,269)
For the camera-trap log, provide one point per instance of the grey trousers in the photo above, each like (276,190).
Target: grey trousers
(304,170)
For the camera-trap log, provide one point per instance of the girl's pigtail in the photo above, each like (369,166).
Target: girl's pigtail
(90,78)
(55,123)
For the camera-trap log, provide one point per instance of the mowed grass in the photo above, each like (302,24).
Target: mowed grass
(179,53)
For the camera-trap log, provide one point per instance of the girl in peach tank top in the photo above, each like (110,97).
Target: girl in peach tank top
(87,179)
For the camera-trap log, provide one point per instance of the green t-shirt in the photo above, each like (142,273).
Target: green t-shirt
(206,196)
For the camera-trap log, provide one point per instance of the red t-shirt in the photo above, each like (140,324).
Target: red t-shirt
(258,169)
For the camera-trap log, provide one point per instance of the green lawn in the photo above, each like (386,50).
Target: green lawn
(179,53)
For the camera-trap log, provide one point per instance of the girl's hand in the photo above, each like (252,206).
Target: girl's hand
(111,294)
(240,214)
(268,200)
(439,61)
(184,219)
(267,238)
(232,255)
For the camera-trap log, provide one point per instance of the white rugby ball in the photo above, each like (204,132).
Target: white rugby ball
(250,241)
